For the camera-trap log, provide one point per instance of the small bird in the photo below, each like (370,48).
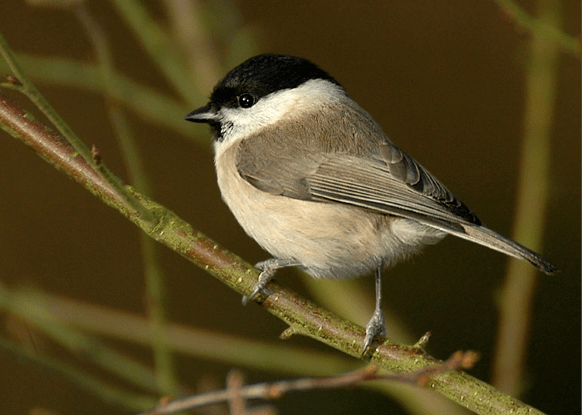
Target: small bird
(314,180)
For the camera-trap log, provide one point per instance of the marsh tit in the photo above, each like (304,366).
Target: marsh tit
(314,180)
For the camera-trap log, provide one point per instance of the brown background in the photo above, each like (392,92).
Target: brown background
(446,81)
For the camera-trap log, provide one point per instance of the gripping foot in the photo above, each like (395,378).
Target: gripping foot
(375,327)
(268,269)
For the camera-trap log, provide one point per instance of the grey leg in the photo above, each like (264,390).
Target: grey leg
(268,269)
(376,324)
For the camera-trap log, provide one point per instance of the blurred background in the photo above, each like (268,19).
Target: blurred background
(445,79)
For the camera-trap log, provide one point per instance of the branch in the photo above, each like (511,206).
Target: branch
(20,81)
(302,316)
(237,394)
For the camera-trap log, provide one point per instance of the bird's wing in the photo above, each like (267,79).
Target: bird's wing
(362,168)
(366,171)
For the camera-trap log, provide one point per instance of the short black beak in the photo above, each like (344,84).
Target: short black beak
(204,114)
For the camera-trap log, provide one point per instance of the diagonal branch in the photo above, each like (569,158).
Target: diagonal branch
(302,316)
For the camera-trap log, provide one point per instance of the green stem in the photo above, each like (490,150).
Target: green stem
(165,373)
(516,306)
(540,27)
(36,97)
(160,47)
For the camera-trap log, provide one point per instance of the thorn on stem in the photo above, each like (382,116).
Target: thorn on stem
(96,155)
(13,80)
(287,333)
(423,341)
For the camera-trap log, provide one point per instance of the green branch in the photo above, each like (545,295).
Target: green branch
(302,316)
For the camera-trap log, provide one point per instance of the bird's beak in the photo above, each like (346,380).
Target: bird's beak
(204,114)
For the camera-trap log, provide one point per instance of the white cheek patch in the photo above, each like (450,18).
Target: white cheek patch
(238,123)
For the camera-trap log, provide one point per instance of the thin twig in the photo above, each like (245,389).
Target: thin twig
(21,82)
(152,106)
(237,393)
(25,85)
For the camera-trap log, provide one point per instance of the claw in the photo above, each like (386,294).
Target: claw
(256,289)
(375,327)
(268,269)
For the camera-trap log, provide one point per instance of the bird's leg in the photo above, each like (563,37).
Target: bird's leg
(268,269)
(376,324)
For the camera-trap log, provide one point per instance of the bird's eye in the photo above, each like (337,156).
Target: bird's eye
(246,100)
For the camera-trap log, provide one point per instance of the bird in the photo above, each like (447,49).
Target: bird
(315,181)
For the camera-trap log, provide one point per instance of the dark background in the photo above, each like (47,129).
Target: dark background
(445,79)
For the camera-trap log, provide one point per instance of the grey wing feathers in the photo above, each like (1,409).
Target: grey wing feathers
(372,187)
(378,177)
(407,170)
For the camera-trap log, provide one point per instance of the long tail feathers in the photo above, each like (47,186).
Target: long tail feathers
(487,237)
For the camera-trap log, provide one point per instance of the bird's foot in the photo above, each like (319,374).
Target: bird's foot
(268,269)
(375,327)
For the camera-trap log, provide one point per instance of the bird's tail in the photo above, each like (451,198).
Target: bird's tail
(491,239)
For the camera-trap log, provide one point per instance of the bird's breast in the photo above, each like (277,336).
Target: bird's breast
(330,240)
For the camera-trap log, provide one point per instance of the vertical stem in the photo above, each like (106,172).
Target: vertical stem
(532,200)
(156,293)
